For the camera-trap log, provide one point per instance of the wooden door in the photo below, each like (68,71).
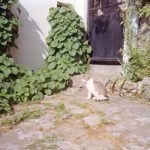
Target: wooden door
(105,30)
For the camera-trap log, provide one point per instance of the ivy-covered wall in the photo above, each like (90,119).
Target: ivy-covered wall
(32,48)
(136,54)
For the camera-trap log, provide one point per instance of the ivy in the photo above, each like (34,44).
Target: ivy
(145,11)
(9,74)
(68,54)
(8,25)
(138,66)
(68,48)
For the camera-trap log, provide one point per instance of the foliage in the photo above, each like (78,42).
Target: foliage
(68,54)
(48,143)
(9,73)
(68,50)
(144,7)
(8,25)
(138,66)
(17,118)
(145,11)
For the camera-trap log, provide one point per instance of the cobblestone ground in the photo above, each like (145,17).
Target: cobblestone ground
(70,122)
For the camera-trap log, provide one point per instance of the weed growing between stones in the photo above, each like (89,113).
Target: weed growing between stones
(17,118)
(48,143)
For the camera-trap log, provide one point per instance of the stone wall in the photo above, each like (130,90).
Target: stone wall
(123,87)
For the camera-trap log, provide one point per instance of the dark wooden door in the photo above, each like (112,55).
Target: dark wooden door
(105,30)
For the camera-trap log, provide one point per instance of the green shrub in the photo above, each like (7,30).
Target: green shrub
(8,25)
(68,49)
(68,54)
(9,73)
(138,66)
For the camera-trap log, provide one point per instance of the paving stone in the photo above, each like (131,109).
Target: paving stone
(71,131)
(146,81)
(9,146)
(147,92)
(68,145)
(79,111)
(94,144)
(21,135)
(92,120)
(117,129)
(132,125)
(132,146)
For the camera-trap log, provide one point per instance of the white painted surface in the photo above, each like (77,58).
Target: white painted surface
(31,43)
(81,7)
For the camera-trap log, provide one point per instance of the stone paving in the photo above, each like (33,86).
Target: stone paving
(70,122)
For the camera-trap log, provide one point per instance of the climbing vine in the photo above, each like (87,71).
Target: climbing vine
(8,25)
(136,66)
(68,48)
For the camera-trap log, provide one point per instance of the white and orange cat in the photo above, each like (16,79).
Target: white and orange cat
(96,90)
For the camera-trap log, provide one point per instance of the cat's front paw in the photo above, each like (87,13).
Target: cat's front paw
(88,98)
(94,98)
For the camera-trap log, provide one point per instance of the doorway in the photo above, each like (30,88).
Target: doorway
(105,30)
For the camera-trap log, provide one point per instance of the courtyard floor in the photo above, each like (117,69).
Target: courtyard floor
(70,122)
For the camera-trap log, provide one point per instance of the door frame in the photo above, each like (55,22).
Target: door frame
(133,15)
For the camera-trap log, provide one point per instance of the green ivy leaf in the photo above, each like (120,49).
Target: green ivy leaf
(14,70)
(72,52)
(61,10)
(48,92)
(52,65)
(89,50)
(70,71)
(76,46)
(54,44)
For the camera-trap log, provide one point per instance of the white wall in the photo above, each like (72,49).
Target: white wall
(32,48)
(31,42)
(81,7)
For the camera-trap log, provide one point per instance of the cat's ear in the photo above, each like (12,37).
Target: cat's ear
(82,78)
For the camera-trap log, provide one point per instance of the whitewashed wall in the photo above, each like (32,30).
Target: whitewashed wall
(31,43)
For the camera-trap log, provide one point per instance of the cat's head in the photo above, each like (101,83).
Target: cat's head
(84,79)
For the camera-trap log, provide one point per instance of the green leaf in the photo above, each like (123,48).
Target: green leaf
(54,44)
(48,92)
(81,24)
(70,71)
(14,70)
(89,50)
(7,71)
(72,52)
(61,10)
(50,59)
(42,78)
(52,65)
(66,77)
(76,45)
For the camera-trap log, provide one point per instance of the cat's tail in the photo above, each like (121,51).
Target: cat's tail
(107,83)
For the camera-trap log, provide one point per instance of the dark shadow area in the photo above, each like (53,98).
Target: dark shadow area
(105,62)
(105,30)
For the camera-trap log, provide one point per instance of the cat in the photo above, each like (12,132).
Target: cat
(96,90)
